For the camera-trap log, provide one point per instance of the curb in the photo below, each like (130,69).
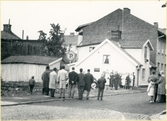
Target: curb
(57,99)
(157,116)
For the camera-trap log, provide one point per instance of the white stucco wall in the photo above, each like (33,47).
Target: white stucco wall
(83,52)
(22,72)
(136,53)
(118,62)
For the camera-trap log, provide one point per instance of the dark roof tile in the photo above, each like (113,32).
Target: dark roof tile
(41,60)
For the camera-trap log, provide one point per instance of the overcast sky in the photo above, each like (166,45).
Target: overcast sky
(32,16)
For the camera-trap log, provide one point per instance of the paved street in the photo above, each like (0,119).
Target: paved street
(127,106)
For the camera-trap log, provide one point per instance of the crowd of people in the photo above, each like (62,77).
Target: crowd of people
(117,80)
(80,81)
(54,79)
(157,87)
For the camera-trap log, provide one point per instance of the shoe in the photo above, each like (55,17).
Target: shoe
(101,99)
(151,101)
(87,98)
(97,99)
(59,97)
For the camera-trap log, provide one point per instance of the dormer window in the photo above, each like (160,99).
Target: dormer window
(116,34)
(91,48)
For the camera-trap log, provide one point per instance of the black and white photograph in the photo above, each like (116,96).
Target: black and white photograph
(83,60)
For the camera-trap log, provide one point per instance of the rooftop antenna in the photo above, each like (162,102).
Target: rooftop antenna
(9,21)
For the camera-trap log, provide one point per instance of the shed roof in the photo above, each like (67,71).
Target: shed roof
(41,60)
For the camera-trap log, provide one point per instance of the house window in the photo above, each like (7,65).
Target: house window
(145,52)
(91,48)
(161,66)
(143,74)
(106,59)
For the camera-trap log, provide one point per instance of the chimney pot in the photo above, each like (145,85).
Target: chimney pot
(156,24)
(7,27)
(126,11)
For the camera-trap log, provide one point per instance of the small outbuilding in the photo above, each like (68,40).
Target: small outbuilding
(22,68)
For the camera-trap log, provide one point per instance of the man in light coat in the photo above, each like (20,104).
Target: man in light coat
(62,78)
(53,81)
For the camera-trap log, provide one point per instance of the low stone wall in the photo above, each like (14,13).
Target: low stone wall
(18,88)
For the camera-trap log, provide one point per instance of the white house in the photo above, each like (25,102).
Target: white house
(22,68)
(93,57)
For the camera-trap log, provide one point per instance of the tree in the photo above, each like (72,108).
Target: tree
(42,35)
(53,45)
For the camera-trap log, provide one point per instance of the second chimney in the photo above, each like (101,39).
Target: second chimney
(156,24)
(7,28)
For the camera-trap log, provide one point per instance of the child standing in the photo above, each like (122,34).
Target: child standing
(32,84)
(101,85)
(150,90)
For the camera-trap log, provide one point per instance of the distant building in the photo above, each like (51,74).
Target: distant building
(138,39)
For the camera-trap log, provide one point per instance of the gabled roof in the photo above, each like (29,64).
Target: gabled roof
(82,26)
(116,46)
(41,60)
(135,31)
(162,31)
(9,36)
(71,39)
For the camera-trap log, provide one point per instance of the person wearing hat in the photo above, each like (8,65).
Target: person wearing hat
(88,78)
(161,87)
(53,81)
(31,84)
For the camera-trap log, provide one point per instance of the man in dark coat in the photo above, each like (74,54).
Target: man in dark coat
(116,80)
(73,79)
(32,84)
(101,85)
(88,81)
(45,79)
(81,84)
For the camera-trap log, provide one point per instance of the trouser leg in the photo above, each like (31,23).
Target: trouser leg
(98,94)
(73,90)
(63,93)
(87,96)
(102,93)
(60,92)
(69,89)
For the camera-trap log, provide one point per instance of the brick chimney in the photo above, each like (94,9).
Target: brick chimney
(156,24)
(7,28)
(126,11)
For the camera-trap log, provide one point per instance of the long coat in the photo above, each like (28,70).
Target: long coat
(45,79)
(53,80)
(161,85)
(88,78)
(101,83)
(81,81)
(73,78)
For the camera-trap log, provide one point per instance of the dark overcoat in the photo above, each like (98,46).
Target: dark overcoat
(88,78)
(73,78)
(45,78)
(161,85)
(81,81)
